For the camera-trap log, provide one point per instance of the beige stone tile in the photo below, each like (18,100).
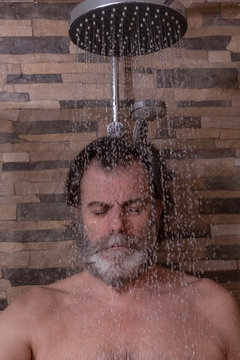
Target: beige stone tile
(189,144)
(8,212)
(4,200)
(198,133)
(17,291)
(227,144)
(35,58)
(230,134)
(15,157)
(234,44)
(9,115)
(221,122)
(230,10)
(213,31)
(43,27)
(48,225)
(14,260)
(66,67)
(6,247)
(202,167)
(81,138)
(219,56)
(4,284)
(50,246)
(227,240)
(42,104)
(6,126)
(17,226)
(225,229)
(47,259)
(36,176)
(27,188)
(15,30)
(224,194)
(6,189)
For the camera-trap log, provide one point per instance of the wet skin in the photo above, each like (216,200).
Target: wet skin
(162,315)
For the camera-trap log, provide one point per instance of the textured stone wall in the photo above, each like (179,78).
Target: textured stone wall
(51,106)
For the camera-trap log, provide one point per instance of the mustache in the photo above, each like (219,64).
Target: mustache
(114,240)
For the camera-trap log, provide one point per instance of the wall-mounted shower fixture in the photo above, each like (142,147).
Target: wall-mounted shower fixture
(120,28)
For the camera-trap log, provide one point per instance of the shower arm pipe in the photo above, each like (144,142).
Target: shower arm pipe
(115,88)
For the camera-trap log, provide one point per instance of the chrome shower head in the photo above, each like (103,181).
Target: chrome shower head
(127,28)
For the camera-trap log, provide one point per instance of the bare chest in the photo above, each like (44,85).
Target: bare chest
(150,335)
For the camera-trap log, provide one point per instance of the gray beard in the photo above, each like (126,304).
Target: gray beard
(117,267)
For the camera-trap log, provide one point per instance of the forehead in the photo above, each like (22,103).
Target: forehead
(120,184)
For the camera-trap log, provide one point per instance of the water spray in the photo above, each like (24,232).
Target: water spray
(120,29)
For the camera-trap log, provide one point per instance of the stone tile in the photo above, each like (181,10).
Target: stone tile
(43,27)
(38,166)
(15,292)
(219,56)
(10,115)
(15,157)
(227,122)
(45,176)
(223,276)
(224,252)
(230,134)
(85,137)
(213,19)
(190,103)
(10,28)
(198,133)
(6,126)
(233,143)
(199,153)
(50,259)
(13,200)
(53,127)
(39,188)
(39,212)
(42,104)
(23,277)
(219,206)
(15,97)
(225,229)
(230,10)
(6,247)
(3,304)
(36,78)
(8,212)
(4,284)
(195,79)
(6,189)
(31,11)
(209,265)
(202,168)
(235,56)
(206,43)
(180,122)
(12,259)
(36,236)
(29,45)
(233,46)
(17,226)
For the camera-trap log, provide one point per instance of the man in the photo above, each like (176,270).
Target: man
(122,306)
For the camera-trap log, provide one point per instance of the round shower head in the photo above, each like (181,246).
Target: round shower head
(127,28)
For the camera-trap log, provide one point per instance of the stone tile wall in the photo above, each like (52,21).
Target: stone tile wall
(51,106)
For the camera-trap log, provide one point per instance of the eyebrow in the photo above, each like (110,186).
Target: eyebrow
(125,203)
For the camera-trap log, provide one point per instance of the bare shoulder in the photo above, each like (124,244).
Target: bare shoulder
(219,307)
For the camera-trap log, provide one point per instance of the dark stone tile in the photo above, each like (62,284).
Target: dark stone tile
(165,134)
(220,206)
(199,154)
(222,183)
(180,122)
(14,97)
(36,236)
(54,127)
(223,276)
(198,78)
(31,45)
(205,43)
(9,138)
(215,19)
(3,304)
(30,11)
(43,211)
(35,166)
(206,103)
(235,57)
(79,104)
(225,252)
(52,198)
(23,277)
(34,79)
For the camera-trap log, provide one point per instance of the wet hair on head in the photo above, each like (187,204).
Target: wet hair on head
(112,152)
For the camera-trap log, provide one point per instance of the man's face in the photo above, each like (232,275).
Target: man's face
(118,222)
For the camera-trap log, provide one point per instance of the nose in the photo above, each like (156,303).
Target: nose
(117,221)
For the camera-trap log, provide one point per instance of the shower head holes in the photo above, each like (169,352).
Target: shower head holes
(127,28)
